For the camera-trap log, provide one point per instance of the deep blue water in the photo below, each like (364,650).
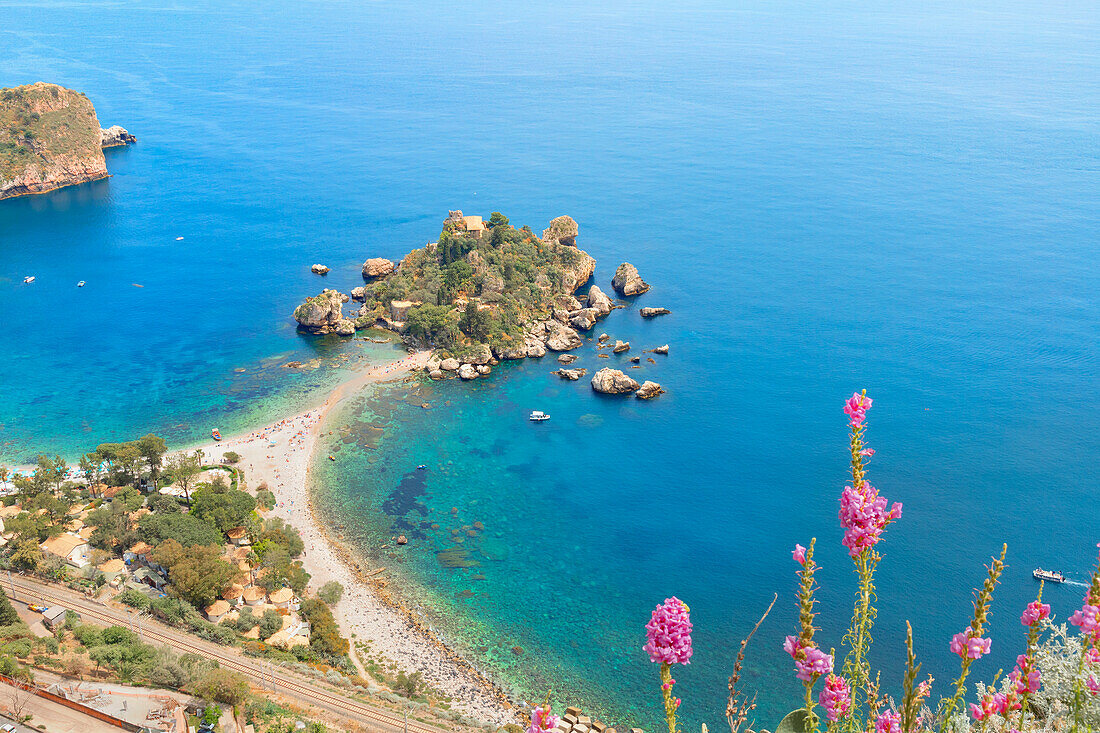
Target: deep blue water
(902,197)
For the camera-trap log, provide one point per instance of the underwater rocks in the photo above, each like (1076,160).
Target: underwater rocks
(570,374)
(627,281)
(567,358)
(613,381)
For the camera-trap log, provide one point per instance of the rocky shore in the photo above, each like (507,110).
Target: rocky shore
(50,138)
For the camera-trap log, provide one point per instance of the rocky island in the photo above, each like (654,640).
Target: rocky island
(50,138)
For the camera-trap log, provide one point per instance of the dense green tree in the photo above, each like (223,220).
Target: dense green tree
(497,219)
(222,506)
(186,529)
(324,634)
(198,574)
(475,322)
(8,614)
(223,686)
(434,323)
(331,592)
(270,623)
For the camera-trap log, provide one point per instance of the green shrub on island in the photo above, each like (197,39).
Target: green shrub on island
(265,499)
(186,529)
(199,574)
(222,506)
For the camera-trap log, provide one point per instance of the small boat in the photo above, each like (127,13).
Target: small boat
(421,467)
(1048,575)
(179,239)
(538,416)
(80,284)
(215,434)
(28,279)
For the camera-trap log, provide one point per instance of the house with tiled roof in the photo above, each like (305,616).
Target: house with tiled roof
(70,548)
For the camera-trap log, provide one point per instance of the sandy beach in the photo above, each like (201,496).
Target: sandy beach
(279,455)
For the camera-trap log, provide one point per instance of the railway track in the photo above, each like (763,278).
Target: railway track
(260,675)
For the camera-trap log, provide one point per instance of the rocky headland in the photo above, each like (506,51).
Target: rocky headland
(50,138)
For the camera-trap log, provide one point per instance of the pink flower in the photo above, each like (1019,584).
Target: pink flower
(835,698)
(813,664)
(888,722)
(668,633)
(966,645)
(799,554)
(1088,618)
(792,646)
(542,721)
(863,516)
(994,704)
(868,452)
(1092,656)
(924,689)
(1094,686)
(1034,613)
(856,408)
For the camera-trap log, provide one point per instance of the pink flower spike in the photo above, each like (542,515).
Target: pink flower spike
(792,646)
(813,664)
(668,633)
(1094,686)
(1034,613)
(542,721)
(868,452)
(799,554)
(835,698)
(856,409)
(888,722)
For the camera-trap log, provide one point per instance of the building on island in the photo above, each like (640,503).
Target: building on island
(238,536)
(216,611)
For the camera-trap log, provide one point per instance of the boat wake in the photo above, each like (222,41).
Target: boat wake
(1077,582)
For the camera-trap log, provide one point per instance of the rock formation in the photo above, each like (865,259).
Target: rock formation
(359,294)
(562,338)
(344,328)
(571,374)
(627,281)
(566,358)
(562,230)
(584,319)
(661,349)
(598,299)
(321,313)
(115,136)
(648,391)
(319,269)
(613,381)
(467,371)
(620,347)
(449,365)
(377,267)
(651,312)
(49,138)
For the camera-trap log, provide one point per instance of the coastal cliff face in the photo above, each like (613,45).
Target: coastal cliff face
(50,138)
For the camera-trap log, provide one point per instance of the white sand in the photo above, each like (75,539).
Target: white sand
(284,467)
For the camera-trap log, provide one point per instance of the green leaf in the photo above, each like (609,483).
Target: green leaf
(796,721)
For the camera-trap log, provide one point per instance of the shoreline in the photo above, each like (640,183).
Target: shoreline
(280,455)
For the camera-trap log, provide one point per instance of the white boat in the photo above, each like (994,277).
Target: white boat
(1048,575)
(538,416)
(80,284)
(28,279)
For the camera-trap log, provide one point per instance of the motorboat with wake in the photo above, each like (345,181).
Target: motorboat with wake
(1051,576)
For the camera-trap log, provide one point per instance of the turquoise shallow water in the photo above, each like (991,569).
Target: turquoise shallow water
(890,196)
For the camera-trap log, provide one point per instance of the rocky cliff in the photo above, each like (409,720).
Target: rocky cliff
(50,138)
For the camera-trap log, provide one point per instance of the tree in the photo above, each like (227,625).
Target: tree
(152,448)
(185,469)
(198,573)
(331,592)
(433,323)
(232,456)
(270,623)
(90,466)
(222,506)
(324,636)
(223,686)
(164,504)
(497,219)
(186,529)
(54,471)
(8,614)
(475,322)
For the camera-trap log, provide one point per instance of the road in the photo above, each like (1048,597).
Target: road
(260,673)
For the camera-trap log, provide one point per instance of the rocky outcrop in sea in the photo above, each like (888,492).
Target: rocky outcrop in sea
(50,138)
(627,281)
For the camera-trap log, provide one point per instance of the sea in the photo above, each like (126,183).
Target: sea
(829,197)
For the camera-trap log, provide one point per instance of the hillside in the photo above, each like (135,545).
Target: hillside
(49,138)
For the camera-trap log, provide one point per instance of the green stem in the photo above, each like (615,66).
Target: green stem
(666,692)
